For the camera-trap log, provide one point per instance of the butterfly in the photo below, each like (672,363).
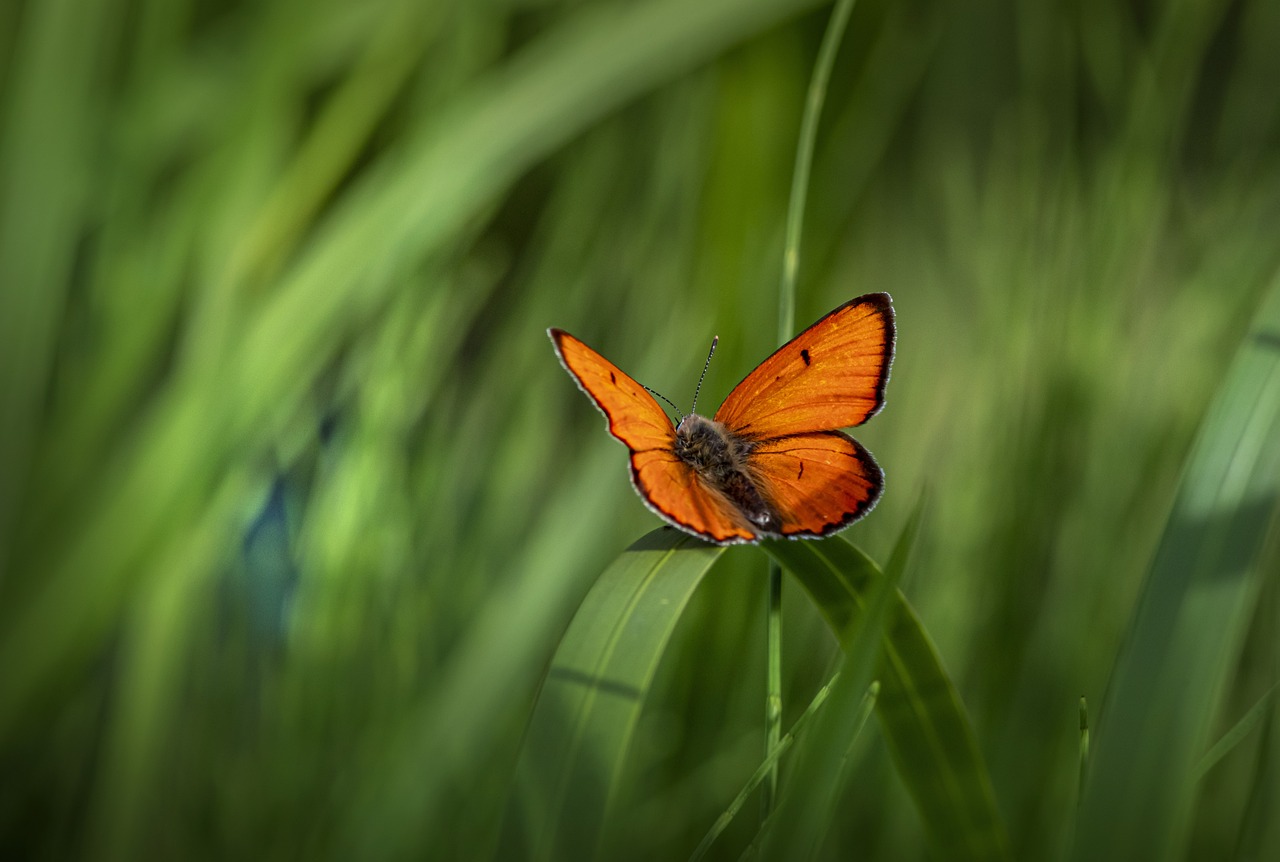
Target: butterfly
(770,463)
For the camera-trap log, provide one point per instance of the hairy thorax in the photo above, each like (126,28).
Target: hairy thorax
(719,457)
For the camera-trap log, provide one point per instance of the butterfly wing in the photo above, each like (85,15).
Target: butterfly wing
(674,492)
(830,376)
(634,417)
(666,484)
(817,483)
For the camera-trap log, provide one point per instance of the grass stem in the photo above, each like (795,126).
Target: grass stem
(786,326)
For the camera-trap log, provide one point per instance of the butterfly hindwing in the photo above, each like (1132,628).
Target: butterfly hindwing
(817,483)
(830,376)
(675,492)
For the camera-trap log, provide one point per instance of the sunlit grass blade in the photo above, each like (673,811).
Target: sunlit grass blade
(582,727)
(1186,633)
(924,722)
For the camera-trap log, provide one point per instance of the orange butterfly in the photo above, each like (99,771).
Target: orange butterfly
(770,463)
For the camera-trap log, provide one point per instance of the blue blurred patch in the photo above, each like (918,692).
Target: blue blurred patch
(269,572)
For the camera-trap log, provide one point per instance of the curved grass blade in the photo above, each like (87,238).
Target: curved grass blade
(1190,622)
(581,729)
(923,721)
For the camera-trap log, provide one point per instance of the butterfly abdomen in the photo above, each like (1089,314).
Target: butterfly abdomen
(719,457)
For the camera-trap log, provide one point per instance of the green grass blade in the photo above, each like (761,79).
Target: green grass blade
(591,699)
(484,688)
(797,830)
(924,722)
(765,770)
(1260,829)
(1190,621)
(51,132)
(817,94)
(1083,760)
(786,329)
(1238,732)
(156,641)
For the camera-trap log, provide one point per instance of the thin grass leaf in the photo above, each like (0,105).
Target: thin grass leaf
(860,718)
(1190,622)
(856,722)
(786,329)
(765,770)
(798,827)
(1260,831)
(1083,759)
(1237,733)
(571,764)
(921,715)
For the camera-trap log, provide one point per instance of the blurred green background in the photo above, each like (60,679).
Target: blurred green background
(296,502)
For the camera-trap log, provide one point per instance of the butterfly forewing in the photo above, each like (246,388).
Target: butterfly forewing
(666,483)
(634,417)
(830,376)
(817,483)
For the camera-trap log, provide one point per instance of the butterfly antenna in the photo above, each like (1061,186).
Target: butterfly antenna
(664,398)
(705,366)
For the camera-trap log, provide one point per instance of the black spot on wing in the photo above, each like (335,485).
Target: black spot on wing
(800,475)
(613,378)
(804,354)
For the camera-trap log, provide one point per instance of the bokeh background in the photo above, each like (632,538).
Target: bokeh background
(297,502)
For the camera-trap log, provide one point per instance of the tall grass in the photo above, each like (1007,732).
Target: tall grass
(296,505)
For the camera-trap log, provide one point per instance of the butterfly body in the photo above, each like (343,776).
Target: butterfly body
(770,462)
(720,458)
